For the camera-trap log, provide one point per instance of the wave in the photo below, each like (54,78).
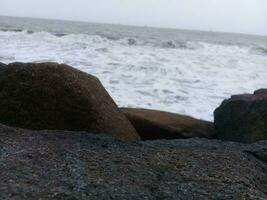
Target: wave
(163,73)
(16,30)
(104,37)
(11,30)
(260,50)
(189,45)
(165,44)
(99,37)
(59,34)
(28,31)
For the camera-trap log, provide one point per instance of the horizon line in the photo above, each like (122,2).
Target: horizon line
(134,25)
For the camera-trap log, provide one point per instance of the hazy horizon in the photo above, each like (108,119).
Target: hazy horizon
(240,16)
(156,27)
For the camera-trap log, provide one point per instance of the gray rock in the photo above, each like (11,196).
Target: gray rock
(243,118)
(79,165)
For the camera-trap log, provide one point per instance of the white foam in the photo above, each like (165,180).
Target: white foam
(189,78)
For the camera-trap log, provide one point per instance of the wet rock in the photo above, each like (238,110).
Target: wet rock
(243,118)
(152,124)
(57,96)
(79,165)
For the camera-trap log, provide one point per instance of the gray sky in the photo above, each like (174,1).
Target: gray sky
(243,16)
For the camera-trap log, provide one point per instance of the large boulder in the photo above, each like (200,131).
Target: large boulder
(153,124)
(243,118)
(60,165)
(57,96)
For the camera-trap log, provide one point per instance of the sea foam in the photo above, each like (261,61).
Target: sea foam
(186,77)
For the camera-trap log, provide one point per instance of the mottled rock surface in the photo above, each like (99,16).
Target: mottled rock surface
(80,166)
(154,124)
(56,96)
(243,118)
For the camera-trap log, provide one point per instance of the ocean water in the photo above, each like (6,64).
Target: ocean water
(186,72)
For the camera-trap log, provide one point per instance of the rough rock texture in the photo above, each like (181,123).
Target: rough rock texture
(152,124)
(57,96)
(80,166)
(243,118)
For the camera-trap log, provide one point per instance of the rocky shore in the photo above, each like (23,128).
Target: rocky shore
(63,137)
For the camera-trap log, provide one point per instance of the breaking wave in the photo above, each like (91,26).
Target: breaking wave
(130,41)
(187,77)
(85,38)
(260,50)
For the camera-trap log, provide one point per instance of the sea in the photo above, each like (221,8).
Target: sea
(180,71)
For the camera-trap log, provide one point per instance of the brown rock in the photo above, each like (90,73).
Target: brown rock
(57,96)
(152,124)
(243,118)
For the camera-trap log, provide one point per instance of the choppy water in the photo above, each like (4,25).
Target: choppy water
(187,72)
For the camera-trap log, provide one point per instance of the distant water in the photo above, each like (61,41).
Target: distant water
(187,72)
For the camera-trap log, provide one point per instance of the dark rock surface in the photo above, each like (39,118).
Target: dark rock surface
(243,118)
(78,165)
(261,92)
(2,65)
(56,96)
(153,124)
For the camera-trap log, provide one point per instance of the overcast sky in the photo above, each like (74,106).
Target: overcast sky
(243,16)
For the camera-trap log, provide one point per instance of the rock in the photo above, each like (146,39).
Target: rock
(57,96)
(79,165)
(261,91)
(2,65)
(243,118)
(152,124)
